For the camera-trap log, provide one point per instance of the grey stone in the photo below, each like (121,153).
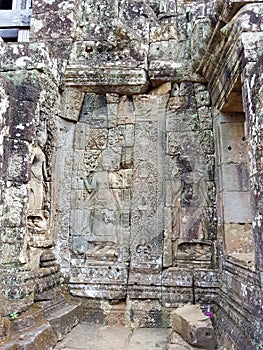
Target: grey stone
(194,326)
(41,337)
(101,337)
(131,162)
(178,343)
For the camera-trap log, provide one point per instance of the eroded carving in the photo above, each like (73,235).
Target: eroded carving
(39,187)
(103,205)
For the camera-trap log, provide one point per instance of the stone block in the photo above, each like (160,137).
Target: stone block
(58,24)
(125,113)
(13,252)
(237,207)
(194,326)
(163,89)
(202,98)
(114,313)
(173,297)
(107,79)
(234,177)
(177,277)
(238,238)
(23,123)
(16,160)
(233,143)
(144,313)
(168,49)
(165,30)
(142,291)
(72,101)
(205,117)
(100,291)
(207,296)
(206,278)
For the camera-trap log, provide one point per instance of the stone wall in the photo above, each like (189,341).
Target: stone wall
(142,193)
(131,163)
(28,103)
(234,74)
(137,206)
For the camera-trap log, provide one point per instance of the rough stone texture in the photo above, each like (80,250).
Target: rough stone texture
(41,337)
(237,73)
(196,328)
(131,162)
(64,319)
(178,343)
(132,171)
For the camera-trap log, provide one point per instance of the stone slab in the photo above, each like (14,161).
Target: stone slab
(94,337)
(104,79)
(178,343)
(97,337)
(149,339)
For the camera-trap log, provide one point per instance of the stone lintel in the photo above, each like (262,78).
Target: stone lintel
(163,71)
(107,79)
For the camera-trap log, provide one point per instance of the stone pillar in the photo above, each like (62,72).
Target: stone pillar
(147,201)
(16,124)
(17,134)
(253,97)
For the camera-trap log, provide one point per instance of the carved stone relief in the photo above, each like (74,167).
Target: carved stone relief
(101,192)
(142,196)
(189,213)
(39,190)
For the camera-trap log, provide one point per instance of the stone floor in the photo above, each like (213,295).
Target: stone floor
(97,337)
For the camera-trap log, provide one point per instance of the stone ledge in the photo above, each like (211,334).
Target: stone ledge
(107,79)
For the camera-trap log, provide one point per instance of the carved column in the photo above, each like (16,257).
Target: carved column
(147,201)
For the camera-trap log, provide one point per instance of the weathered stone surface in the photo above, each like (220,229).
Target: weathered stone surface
(178,343)
(63,320)
(194,326)
(144,313)
(98,337)
(41,337)
(131,155)
(149,339)
(238,238)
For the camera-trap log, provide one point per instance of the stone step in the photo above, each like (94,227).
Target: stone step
(64,319)
(50,301)
(38,337)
